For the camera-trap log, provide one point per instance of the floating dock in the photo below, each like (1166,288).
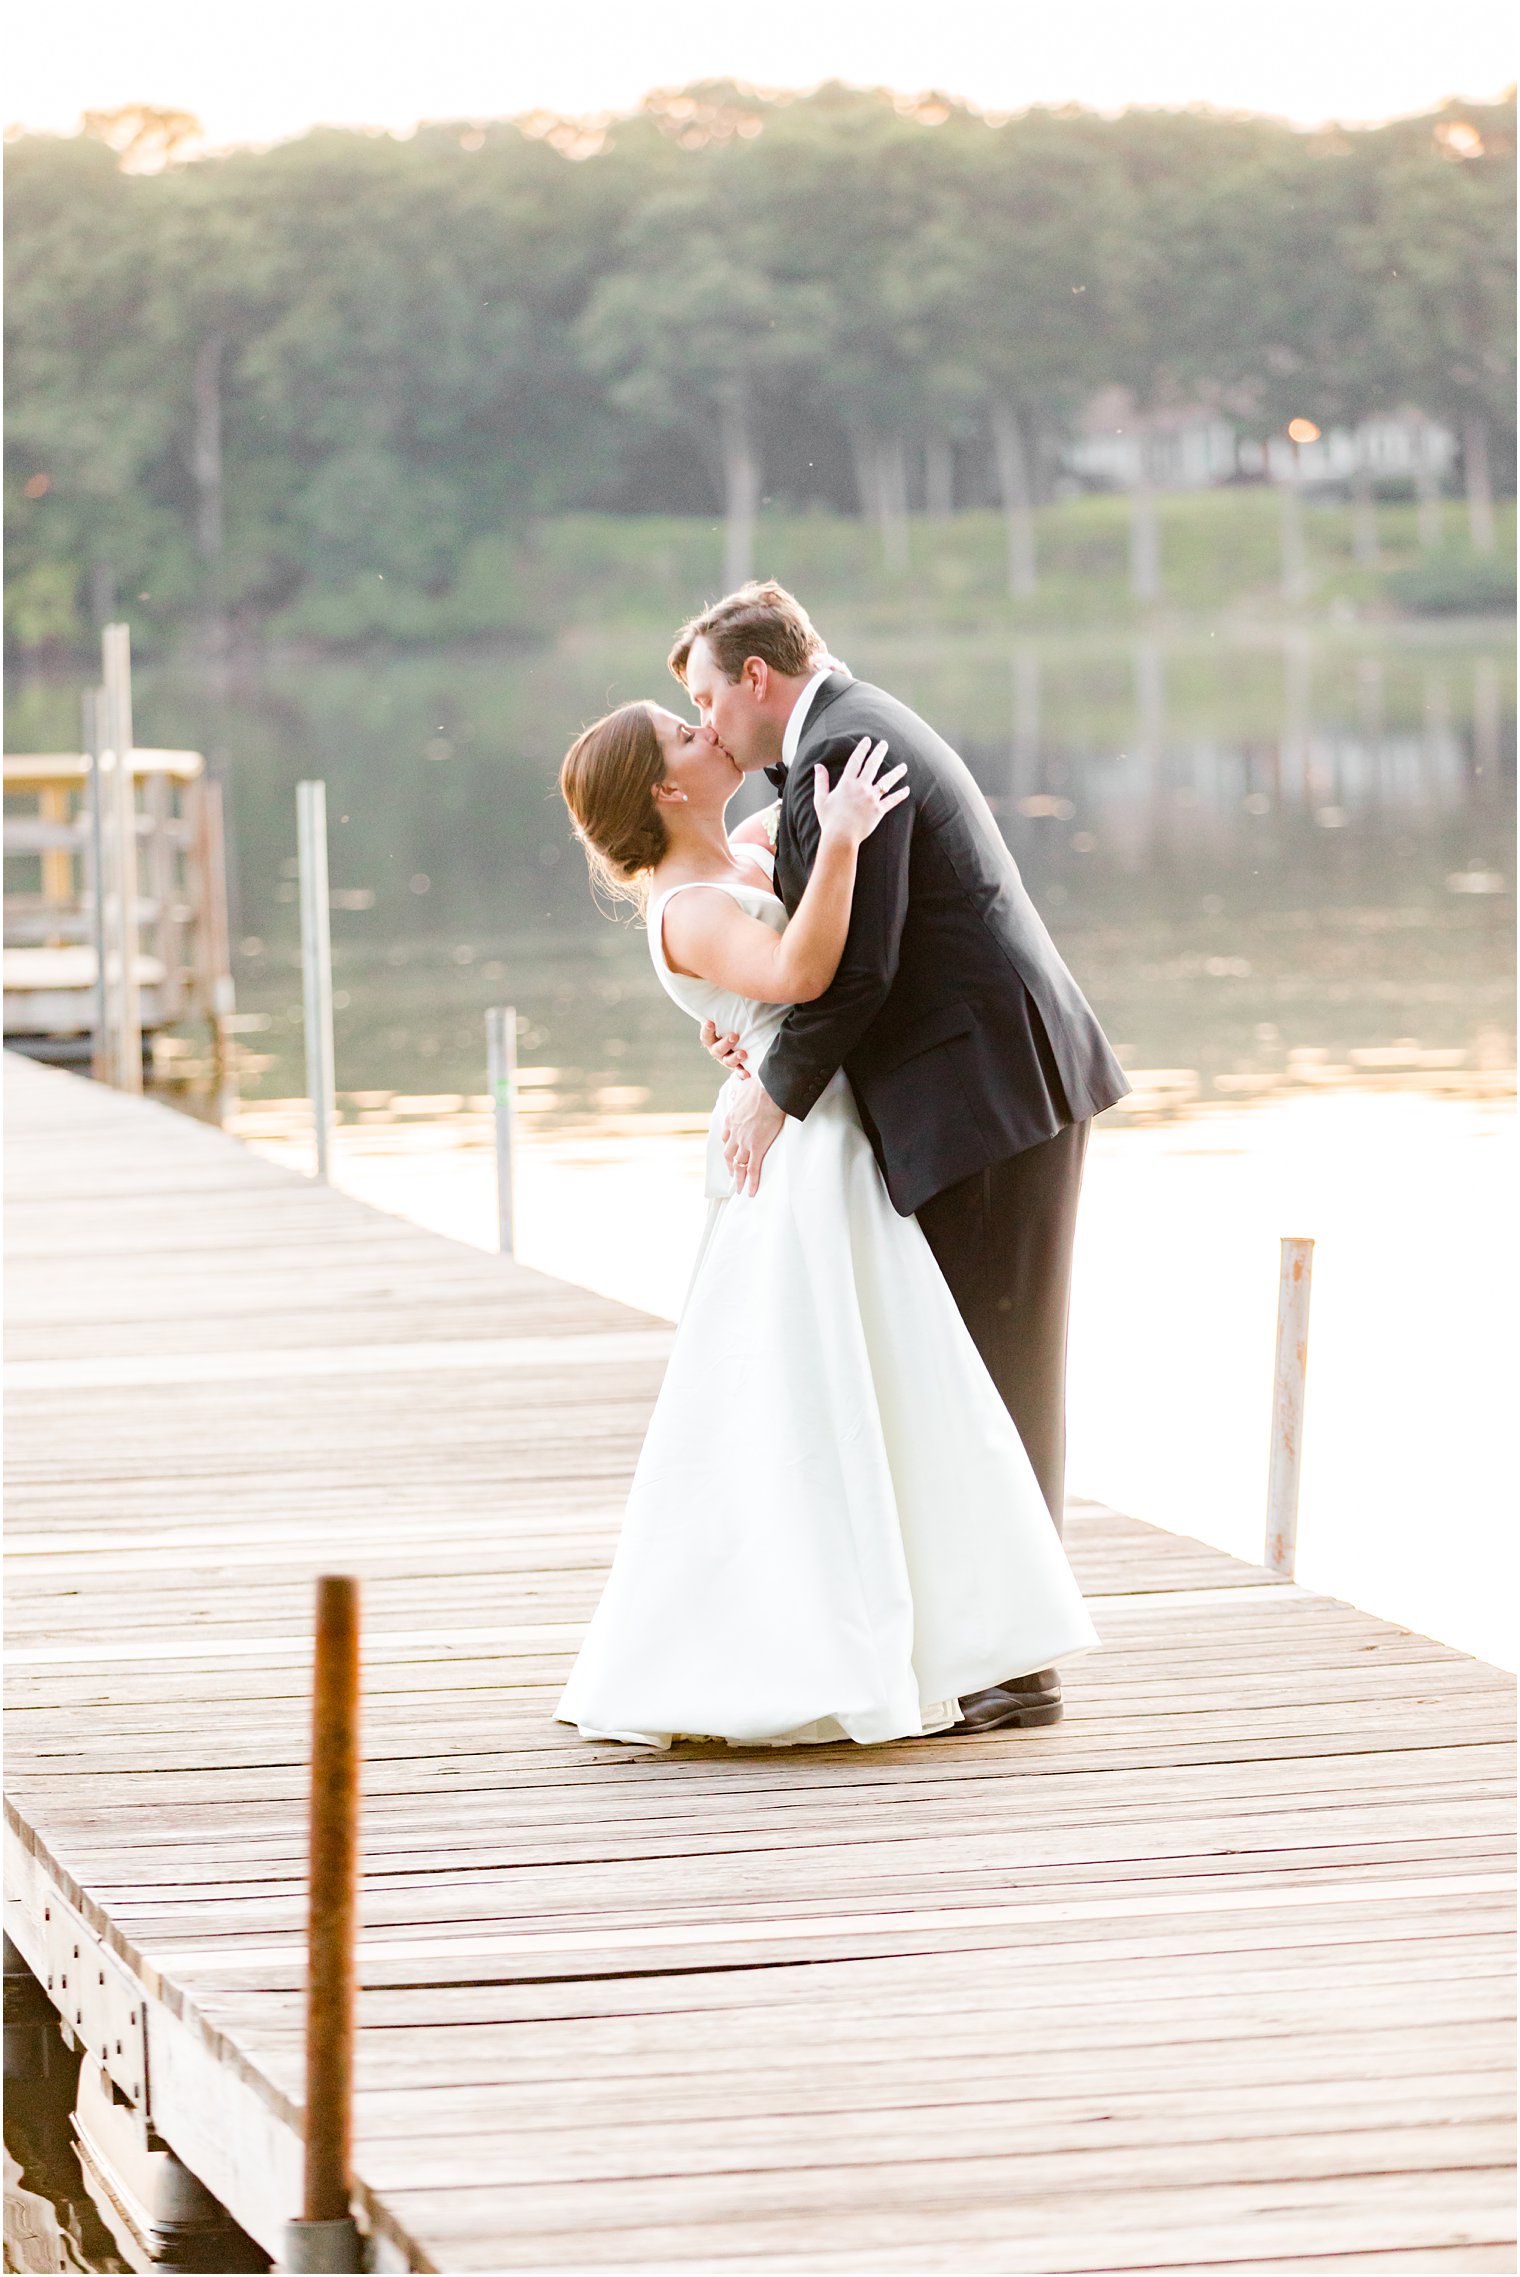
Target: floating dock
(1214,1974)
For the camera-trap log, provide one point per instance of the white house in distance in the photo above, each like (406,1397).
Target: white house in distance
(1193,449)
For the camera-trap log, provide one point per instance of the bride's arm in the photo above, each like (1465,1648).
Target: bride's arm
(709,937)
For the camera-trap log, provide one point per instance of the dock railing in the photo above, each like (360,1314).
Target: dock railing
(123,935)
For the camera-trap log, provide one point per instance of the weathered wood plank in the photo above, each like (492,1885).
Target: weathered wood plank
(1216,1973)
(947,2211)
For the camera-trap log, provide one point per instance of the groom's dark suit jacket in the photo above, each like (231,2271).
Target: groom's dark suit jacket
(962,1032)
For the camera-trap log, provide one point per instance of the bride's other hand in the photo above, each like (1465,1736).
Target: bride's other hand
(753,1124)
(726,1050)
(850,810)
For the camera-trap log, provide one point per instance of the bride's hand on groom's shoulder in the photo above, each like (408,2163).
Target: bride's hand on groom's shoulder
(849,810)
(726,1050)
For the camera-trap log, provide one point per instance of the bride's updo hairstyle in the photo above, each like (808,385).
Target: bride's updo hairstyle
(607,781)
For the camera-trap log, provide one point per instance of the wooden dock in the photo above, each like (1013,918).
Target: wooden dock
(1212,1975)
(157,911)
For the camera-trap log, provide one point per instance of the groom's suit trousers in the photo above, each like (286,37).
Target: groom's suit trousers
(1003,1240)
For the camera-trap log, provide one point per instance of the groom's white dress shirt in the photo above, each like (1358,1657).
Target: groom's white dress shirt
(794,726)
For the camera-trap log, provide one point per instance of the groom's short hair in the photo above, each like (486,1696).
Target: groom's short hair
(761,619)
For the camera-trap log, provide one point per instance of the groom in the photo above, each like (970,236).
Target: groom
(976,1062)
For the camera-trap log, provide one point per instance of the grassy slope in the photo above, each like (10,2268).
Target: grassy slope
(1220,556)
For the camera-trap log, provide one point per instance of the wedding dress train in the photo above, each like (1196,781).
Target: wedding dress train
(833,1530)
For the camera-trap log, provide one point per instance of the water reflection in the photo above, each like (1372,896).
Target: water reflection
(1412,1335)
(1281,865)
(1252,847)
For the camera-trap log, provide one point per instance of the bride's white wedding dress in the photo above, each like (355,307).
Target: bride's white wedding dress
(833,1530)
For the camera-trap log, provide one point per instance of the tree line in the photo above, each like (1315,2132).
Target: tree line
(236,381)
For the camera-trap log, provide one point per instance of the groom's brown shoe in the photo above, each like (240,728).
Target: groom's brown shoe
(1022,1704)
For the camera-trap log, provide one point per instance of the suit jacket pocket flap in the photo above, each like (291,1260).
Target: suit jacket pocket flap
(935,1028)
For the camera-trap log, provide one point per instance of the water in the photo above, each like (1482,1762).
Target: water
(1410,1198)
(51,2222)
(1281,865)
(1252,847)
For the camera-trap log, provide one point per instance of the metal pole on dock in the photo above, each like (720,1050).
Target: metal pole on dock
(1288,1405)
(121,837)
(501,1064)
(327,2237)
(316,964)
(216,953)
(93,708)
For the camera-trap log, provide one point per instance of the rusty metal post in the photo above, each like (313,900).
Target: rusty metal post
(326,2236)
(1288,1405)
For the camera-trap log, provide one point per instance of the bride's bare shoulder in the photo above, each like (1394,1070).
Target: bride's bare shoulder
(688,923)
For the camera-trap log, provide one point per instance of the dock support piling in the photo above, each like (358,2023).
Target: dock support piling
(1288,1405)
(322,2246)
(501,1064)
(326,2236)
(316,965)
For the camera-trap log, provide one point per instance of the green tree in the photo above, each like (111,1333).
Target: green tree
(847,186)
(1017,265)
(325,386)
(694,331)
(1444,248)
(1167,248)
(90,421)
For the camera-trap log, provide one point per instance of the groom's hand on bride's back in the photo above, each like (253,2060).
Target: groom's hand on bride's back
(726,1050)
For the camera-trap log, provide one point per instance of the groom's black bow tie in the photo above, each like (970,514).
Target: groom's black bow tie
(777,775)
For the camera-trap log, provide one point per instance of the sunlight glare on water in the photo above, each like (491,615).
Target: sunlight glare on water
(1405,1495)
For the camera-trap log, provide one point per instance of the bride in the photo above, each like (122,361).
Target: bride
(833,1530)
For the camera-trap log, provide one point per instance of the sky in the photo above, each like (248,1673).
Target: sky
(260,73)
